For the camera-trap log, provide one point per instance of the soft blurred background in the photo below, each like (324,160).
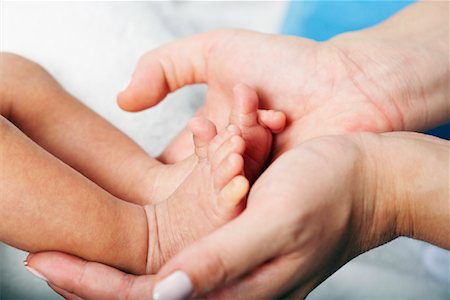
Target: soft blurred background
(92,48)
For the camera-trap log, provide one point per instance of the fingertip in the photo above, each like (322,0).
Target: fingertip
(47,262)
(135,99)
(54,267)
(177,285)
(194,279)
(164,70)
(147,87)
(122,101)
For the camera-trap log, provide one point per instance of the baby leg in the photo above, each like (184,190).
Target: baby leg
(46,205)
(32,100)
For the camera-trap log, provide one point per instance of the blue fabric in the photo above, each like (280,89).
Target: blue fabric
(321,20)
(441,131)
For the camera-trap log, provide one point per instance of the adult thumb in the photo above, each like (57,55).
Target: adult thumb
(168,68)
(228,253)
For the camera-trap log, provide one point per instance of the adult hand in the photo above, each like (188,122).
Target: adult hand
(75,278)
(315,209)
(302,218)
(308,214)
(391,77)
(384,79)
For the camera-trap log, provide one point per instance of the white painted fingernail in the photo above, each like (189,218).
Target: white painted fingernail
(36,273)
(177,286)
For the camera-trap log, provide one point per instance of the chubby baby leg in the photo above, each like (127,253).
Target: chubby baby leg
(39,106)
(46,205)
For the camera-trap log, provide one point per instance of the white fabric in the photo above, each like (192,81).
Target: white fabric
(92,48)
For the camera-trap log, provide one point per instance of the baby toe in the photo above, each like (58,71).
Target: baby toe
(221,138)
(235,144)
(231,199)
(203,132)
(230,167)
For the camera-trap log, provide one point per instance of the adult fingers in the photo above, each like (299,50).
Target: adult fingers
(89,280)
(229,252)
(168,68)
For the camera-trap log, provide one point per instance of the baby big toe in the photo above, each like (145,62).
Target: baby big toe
(203,132)
(232,196)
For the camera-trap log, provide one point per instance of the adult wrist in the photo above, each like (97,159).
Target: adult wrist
(424,163)
(407,187)
(375,212)
(402,65)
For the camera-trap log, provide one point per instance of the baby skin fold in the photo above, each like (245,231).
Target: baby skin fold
(53,200)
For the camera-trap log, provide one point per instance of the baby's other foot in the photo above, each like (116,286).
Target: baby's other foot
(257,127)
(211,195)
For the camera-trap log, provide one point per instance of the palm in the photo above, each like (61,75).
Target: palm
(314,84)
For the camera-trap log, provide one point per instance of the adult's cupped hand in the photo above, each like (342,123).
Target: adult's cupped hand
(335,87)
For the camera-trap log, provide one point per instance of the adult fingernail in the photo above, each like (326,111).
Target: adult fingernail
(177,286)
(36,273)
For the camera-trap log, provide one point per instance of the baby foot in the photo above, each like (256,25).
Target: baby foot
(257,127)
(211,195)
